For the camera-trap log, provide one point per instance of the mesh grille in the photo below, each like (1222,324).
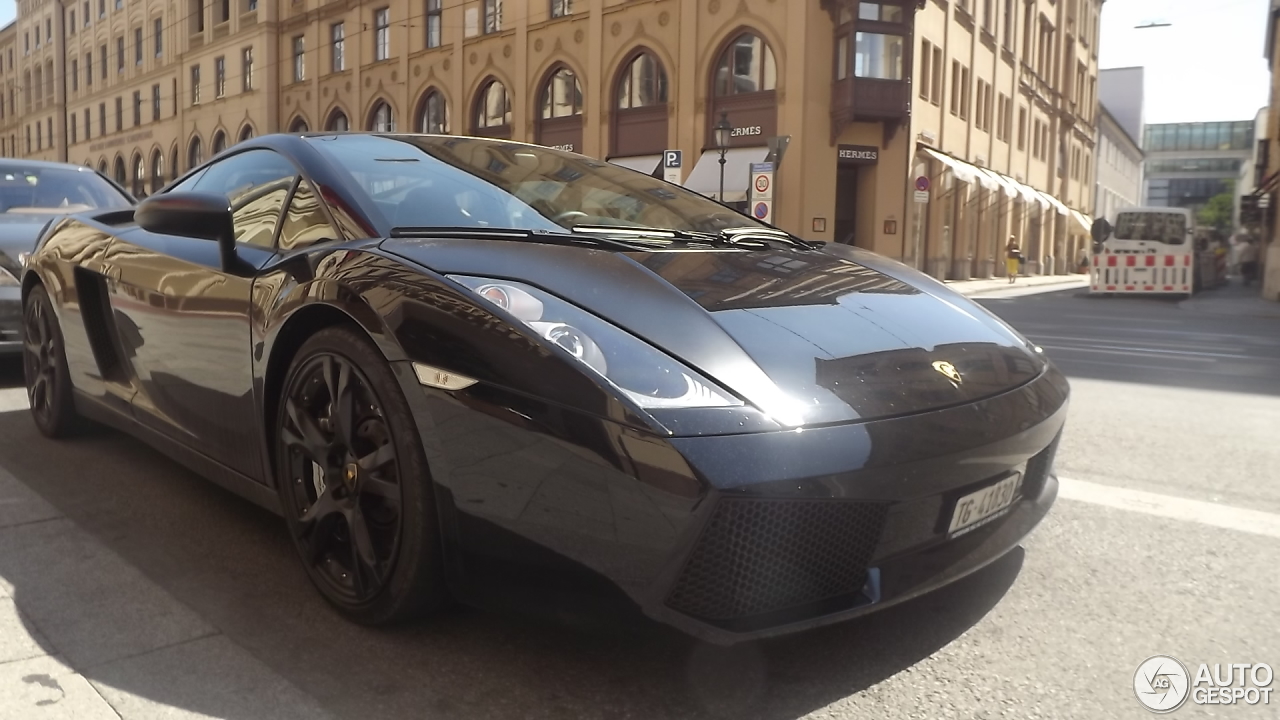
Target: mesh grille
(757,556)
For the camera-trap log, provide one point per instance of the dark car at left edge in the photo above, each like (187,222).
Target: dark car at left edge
(474,369)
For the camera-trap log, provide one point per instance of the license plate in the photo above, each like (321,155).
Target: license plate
(978,508)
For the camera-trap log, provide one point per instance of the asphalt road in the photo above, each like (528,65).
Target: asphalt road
(1167,540)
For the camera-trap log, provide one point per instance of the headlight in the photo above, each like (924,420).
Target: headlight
(646,375)
(7,279)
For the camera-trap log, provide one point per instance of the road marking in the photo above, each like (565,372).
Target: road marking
(1174,508)
(1131,350)
(1133,353)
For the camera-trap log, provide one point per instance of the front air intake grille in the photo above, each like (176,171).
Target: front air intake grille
(760,556)
(1038,468)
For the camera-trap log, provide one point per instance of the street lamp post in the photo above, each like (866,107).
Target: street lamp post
(723,133)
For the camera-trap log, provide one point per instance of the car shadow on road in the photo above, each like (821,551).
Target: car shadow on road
(232,565)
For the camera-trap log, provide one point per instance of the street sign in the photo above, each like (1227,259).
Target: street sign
(762,210)
(922,184)
(762,184)
(673,166)
(762,181)
(922,196)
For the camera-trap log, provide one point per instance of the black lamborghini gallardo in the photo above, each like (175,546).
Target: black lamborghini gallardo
(456,365)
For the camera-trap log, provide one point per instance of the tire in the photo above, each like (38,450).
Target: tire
(44,367)
(354,484)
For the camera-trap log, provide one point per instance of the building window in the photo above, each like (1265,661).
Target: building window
(157,171)
(119,114)
(37,47)
(197,14)
(746,66)
(338,122)
(434,115)
(88,125)
(980,116)
(195,84)
(965,92)
(562,96)
(492,16)
(39,136)
(72,118)
(195,153)
(643,84)
(1009,19)
(102,58)
(434,28)
(381,119)
(381,34)
(926,69)
(137,108)
(158,33)
(137,46)
(88,69)
(75,75)
(955,87)
(102,9)
(219,77)
(86,13)
(494,108)
(71,22)
(877,55)
(139,177)
(560,8)
(299,58)
(246,69)
(224,10)
(1022,128)
(155,102)
(219,143)
(251,5)
(28,139)
(338,33)
(102,118)
(1035,140)
(120,54)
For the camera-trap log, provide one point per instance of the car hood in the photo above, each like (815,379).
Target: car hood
(811,337)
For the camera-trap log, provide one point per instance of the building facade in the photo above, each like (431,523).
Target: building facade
(1268,164)
(1189,163)
(1123,92)
(1120,161)
(1004,128)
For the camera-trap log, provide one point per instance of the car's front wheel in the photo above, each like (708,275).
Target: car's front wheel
(44,366)
(354,483)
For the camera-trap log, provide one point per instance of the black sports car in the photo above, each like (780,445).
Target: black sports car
(33,193)
(456,365)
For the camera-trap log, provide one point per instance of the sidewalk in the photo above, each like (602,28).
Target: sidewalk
(85,635)
(1042,283)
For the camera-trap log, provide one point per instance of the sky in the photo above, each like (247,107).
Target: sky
(1208,65)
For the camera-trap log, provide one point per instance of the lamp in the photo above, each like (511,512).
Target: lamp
(723,133)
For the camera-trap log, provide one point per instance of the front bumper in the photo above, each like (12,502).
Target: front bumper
(863,507)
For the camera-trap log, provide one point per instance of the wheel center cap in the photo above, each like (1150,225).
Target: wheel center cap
(349,475)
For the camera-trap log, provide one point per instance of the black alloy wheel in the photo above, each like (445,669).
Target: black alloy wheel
(353,481)
(44,366)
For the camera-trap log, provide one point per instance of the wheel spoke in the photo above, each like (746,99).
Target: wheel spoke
(319,538)
(383,456)
(337,378)
(380,488)
(324,505)
(305,433)
(38,392)
(364,560)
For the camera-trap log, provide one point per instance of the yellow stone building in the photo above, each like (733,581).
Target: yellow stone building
(825,89)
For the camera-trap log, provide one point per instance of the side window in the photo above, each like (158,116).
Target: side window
(189,184)
(256,184)
(305,222)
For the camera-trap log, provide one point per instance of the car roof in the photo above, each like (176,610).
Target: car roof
(19,164)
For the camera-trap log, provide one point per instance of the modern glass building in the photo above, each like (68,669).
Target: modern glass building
(1188,163)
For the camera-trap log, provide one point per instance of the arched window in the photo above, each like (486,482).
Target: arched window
(219,142)
(139,188)
(643,83)
(246,132)
(381,119)
(157,171)
(562,95)
(337,122)
(102,166)
(174,164)
(195,153)
(121,175)
(433,114)
(746,66)
(299,125)
(493,110)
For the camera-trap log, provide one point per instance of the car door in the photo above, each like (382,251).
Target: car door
(192,349)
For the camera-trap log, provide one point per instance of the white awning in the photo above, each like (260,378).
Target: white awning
(647,164)
(963,171)
(705,178)
(1031,195)
(1056,203)
(1009,184)
(1084,220)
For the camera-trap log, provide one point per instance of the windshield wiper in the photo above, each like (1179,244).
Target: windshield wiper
(740,236)
(518,234)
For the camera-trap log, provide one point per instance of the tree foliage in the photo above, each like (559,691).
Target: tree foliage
(1218,212)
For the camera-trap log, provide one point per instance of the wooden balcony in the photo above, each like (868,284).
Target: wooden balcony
(856,99)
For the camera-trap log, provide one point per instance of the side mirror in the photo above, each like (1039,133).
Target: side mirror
(206,216)
(1101,231)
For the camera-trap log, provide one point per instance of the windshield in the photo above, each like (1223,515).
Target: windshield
(56,190)
(429,181)
(1168,228)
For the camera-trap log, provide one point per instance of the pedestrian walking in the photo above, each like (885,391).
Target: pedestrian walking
(1248,256)
(1012,258)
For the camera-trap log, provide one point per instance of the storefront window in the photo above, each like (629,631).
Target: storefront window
(435,114)
(878,56)
(644,83)
(382,120)
(562,96)
(494,108)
